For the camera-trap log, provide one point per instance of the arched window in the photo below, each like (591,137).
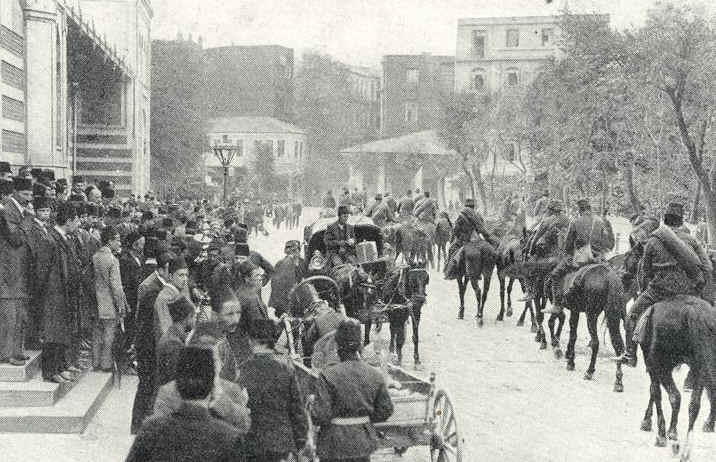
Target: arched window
(512,77)
(477,79)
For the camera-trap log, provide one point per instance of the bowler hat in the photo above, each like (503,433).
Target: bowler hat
(348,335)
(22,184)
(469,202)
(262,329)
(180,308)
(343,210)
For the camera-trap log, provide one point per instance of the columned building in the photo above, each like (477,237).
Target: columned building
(76,88)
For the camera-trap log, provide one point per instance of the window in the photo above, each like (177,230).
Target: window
(478,44)
(477,81)
(513,78)
(412,75)
(547,37)
(225,139)
(281,148)
(513,38)
(411,112)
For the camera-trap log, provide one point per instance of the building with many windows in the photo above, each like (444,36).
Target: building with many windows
(364,107)
(413,88)
(76,88)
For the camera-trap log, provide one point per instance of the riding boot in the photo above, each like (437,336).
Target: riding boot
(629,355)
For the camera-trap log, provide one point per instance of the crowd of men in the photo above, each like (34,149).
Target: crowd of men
(173,293)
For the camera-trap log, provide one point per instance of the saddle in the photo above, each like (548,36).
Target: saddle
(574,279)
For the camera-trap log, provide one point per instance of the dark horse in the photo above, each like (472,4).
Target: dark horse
(479,259)
(508,262)
(681,330)
(443,230)
(536,274)
(599,290)
(403,293)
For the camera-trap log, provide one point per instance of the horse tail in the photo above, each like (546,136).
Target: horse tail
(702,332)
(615,303)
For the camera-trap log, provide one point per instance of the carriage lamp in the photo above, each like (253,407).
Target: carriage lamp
(225,153)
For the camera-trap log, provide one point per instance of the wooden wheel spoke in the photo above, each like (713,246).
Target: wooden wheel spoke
(451,438)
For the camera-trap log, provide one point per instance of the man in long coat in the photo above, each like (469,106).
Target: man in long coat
(41,249)
(288,272)
(340,240)
(15,263)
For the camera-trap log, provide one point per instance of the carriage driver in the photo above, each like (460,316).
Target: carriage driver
(672,257)
(350,397)
(340,239)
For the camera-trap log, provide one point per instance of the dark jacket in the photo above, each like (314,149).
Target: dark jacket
(548,233)
(278,422)
(288,273)
(252,308)
(382,214)
(467,222)
(147,320)
(41,251)
(15,256)
(58,321)
(168,350)
(587,229)
(336,239)
(131,272)
(350,389)
(187,435)
(405,206)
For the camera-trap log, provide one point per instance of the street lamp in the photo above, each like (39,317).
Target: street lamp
(225,154)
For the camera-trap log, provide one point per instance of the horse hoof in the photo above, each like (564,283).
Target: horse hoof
(709,427)
(618,388)
(479,322)
(570,366)
(509,312)
(499,319)
(558,353)
(660,442)
(588,375)
(675,448)
(646,425)
(543,346)
(520,323)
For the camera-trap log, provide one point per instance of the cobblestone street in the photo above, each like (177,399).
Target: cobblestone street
(513,401)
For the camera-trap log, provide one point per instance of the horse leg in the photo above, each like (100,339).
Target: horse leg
(594,337)
(366,333)
(675,400)
(541,336)
(656,399)
(711,420)
(462,287)
(397,328)
(486,290)
(646,422)
(509,296)
(694,407)
(417,311)
(616,336)
(501,281)
(556,348)
(573,326)
(478,297)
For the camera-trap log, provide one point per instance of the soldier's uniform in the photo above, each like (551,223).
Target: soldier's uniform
(350,397)
(662,276)
(585,229)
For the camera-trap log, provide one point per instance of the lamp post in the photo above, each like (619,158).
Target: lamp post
(225,154)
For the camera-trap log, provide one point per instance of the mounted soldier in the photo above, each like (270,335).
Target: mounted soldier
(588,239)
(406,205)
(674,263)
(541,207)
(427,209)
(468,222)
(381,212)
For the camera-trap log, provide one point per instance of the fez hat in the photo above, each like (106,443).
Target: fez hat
(22,184)
(78,179)
(293,244)
(180,308)
(343,210)
(584,204)
(469,202)
(42,202)
(133,237)
(262,329)
(5,167)
(36,172)
(147,215)
(108,193)
(48,174)
(39,189)
(6,187)
(555,205)
(160,234)
(195,363)
(177,263)
(241,234)
(241,249)
(167,222)
(214,245)
(348,335)
(379,197)
(675,209)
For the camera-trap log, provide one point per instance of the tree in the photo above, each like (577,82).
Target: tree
(675,53)
(263,169)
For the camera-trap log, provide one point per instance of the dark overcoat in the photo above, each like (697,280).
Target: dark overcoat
(14,252)
(58,321)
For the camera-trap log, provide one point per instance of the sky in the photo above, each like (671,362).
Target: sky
(359,32)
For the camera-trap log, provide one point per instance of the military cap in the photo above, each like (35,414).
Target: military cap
(343,210)
(348,335)
(180,308)
(22,184)
(469,202)
(262,329)
(36,172)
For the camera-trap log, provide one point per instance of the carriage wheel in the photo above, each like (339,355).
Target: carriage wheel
(446,443)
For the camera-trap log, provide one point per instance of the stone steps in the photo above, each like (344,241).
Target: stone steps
(10,373)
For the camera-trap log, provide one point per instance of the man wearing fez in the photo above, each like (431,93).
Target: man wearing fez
(41,250)
(177,286)
(182,312)
(278,423)
(6,183)
(350,397)
(15,266)
(78,186)
(289,272)
(61,189)
(5,171)
(340,239)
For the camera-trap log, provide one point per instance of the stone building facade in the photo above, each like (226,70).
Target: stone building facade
(76,88)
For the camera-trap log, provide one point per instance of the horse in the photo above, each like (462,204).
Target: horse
(680,330)
(509,258)
(409,240)
(478,261)
(403,292)
(443,230)
(599,290)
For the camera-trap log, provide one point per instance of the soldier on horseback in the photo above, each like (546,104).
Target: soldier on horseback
(426,210)
(674,263)
(467,222)
(380,212)
(588,239)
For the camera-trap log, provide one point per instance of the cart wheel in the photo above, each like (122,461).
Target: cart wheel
(446,444)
